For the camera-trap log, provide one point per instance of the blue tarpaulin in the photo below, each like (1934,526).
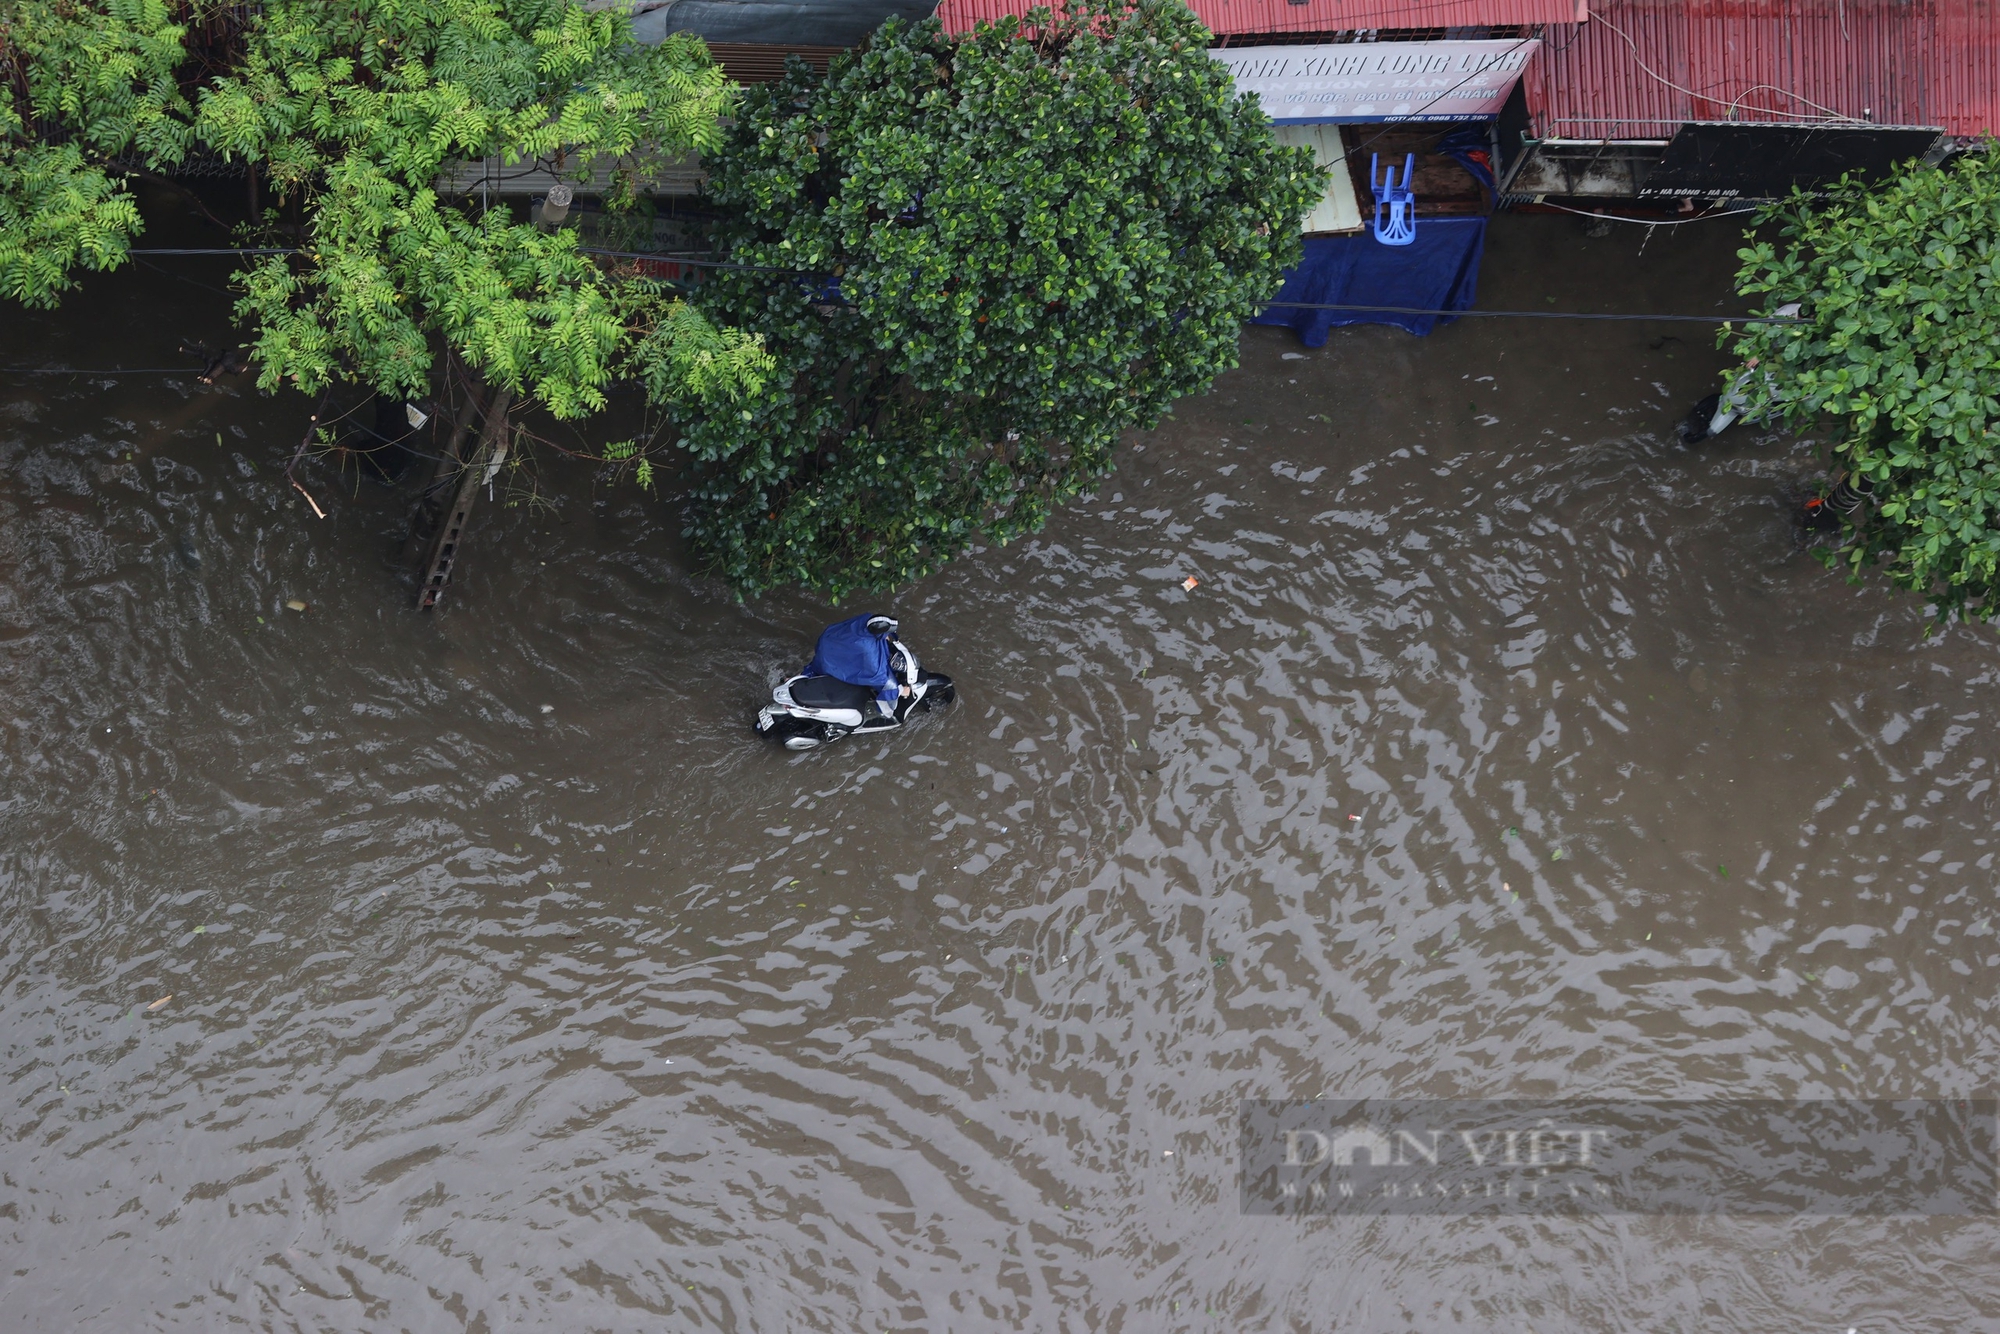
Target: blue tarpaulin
(1437,271)
(848,652)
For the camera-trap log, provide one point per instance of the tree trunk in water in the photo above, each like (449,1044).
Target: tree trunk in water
(456,446)
(475,472)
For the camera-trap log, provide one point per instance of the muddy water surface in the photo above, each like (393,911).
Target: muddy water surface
(1504,748)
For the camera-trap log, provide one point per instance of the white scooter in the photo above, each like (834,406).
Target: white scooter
(809,711)
(1716,413)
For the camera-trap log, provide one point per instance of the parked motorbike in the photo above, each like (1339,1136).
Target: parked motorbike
(1714,414)
(861,664)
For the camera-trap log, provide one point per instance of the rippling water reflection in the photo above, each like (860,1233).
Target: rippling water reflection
(1504,748)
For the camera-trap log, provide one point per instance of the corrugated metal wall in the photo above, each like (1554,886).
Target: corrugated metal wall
(1277,16)
(1965,66)
(1639,68)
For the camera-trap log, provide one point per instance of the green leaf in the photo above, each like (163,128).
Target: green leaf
(1016,250)
(1897,362)
(352,113)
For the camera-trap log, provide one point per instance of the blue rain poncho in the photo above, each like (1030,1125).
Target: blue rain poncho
(848,652)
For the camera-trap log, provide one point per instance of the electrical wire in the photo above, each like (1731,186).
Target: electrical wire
(1782,92)
(1284,305)
(694,263)
(1575,36)
(1622,316)
(1649,222)
(1653,74)
(582,249)
(183,278)
(1393,126)
(1542,314)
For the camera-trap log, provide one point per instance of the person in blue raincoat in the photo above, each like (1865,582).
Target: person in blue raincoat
(858,651)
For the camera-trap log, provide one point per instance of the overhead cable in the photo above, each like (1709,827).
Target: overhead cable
(1541,314)
(1647,222)
(1650,73)
(1623,316)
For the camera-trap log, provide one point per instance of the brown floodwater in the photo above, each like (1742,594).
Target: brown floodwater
(1504,748)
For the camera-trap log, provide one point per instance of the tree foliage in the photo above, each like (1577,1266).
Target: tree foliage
(988,257)
(102,81)
(1899,352)
(351,110)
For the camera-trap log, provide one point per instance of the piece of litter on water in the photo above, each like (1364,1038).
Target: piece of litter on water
(201,931)
(158,1003)
(1166,1153)
(1354,817)
(295,605)
(1188,583)
(548,708)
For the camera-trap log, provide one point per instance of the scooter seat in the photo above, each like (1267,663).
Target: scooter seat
(830,692)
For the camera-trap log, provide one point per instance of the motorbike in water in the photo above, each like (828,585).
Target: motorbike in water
(863,678)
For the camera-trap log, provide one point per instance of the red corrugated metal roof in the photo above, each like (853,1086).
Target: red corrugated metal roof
(1273,16)
(1639,68)
(1965,67)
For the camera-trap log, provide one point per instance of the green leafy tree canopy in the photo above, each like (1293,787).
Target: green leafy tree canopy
(1898,352)
(352,110)
(987,258)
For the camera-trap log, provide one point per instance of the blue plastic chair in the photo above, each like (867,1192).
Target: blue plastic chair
(1395,205)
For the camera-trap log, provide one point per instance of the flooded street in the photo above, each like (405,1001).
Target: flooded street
(1504,748)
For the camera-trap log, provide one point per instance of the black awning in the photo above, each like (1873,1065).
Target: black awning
(777,22)
(1764,160)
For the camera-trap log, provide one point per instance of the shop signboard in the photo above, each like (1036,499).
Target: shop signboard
(1359,82)
(1760,160)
